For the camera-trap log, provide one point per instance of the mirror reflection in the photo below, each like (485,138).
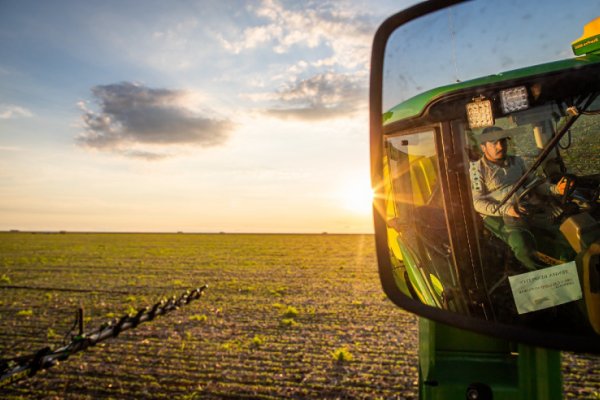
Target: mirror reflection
(492,184)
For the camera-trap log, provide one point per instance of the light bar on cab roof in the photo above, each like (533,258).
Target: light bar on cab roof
(479,113)
(514,99)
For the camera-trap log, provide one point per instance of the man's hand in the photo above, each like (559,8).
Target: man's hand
(512,212)
(561,186)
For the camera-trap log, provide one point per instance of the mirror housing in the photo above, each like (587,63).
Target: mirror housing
(427,134)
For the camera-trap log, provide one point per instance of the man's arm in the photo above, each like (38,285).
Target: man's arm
(483,202)
(546,188)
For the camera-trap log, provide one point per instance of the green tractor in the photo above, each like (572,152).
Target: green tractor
(437,238)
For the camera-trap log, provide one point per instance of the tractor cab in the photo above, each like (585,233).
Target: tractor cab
(489,194)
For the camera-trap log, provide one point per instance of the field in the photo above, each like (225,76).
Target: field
(299,316)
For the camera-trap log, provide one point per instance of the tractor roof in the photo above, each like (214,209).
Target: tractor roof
(416,105)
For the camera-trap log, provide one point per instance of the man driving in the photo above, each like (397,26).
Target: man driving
(492,177)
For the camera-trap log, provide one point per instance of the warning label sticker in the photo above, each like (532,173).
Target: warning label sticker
(546,287)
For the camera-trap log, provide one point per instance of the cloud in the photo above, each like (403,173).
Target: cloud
(134,120)
(330,45)
(326,95)
(8,111)
(144,155)
(335,25)
(10,148)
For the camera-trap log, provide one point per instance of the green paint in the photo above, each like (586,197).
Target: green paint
(587,46)
(451,360)
(415,106)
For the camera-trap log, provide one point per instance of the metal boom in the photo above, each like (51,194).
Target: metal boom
(18,368)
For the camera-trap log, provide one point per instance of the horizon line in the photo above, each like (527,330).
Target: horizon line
(64,232)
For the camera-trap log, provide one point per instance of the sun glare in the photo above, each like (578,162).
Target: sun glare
(358,198)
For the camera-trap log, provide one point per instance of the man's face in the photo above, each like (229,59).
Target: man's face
(495,151)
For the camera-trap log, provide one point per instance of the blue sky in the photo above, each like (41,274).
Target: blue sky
(479,39)
(187,115)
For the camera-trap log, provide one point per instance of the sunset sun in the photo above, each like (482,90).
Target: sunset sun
(358,197)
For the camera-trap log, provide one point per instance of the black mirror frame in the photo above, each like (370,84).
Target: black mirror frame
(503,331)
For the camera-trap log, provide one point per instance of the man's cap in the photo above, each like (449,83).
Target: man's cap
(491,134)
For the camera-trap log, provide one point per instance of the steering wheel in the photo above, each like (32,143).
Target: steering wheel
(556,207)
(522,205)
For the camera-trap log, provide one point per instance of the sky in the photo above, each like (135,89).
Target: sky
(477,39)
(193,116)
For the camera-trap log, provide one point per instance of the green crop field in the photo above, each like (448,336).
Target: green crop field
(299,316)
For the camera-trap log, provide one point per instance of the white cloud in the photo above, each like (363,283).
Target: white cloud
(10,148)
(8,111)
(333,24)
(326,95)
(332,39)
(135,121)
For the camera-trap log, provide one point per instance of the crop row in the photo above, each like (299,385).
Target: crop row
(279,311)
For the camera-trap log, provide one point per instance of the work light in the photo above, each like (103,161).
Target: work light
(479,113)
(514,99)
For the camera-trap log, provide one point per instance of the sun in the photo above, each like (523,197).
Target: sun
(358,197)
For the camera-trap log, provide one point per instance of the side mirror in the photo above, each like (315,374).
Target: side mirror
(477,111)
